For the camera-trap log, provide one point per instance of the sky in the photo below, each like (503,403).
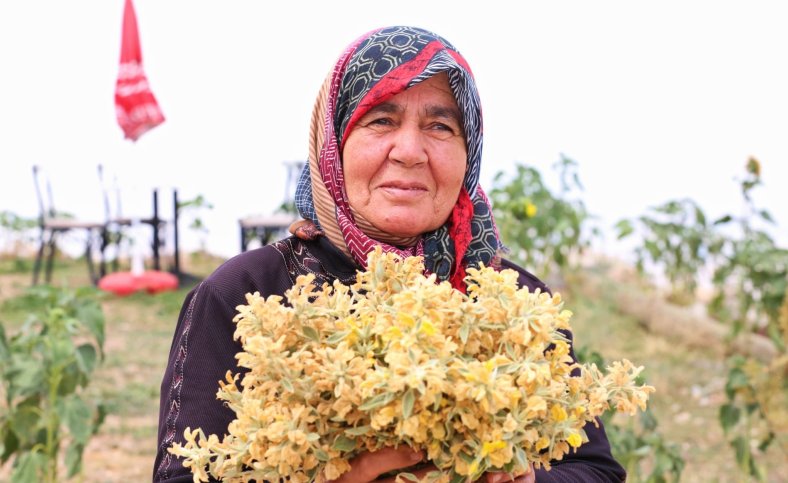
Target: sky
(654,100)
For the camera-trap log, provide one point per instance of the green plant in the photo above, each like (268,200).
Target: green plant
(755,410)
(45,368)
(17,233)
(193,208)
(750,280)
(637,444)
(752,294)
(543,230)
(677,238)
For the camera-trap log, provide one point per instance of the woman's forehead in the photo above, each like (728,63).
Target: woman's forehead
(434,96)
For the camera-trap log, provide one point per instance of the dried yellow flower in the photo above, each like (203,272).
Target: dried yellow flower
(481,381)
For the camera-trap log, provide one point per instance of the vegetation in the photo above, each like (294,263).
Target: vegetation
(46,367)
(549,232)
(543,231)
(750,280)
(193,209)
(16,234)
(637,443)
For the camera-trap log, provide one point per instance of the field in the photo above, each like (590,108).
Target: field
(689,374)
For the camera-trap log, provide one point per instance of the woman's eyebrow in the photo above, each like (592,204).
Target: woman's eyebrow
(448,112)
(385,107)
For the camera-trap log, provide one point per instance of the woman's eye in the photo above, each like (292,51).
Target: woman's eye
(381,121)
(444,128)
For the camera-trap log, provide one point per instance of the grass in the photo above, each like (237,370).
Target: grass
(139,330)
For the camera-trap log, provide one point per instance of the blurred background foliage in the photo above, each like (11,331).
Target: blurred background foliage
(549,231)
(543,230)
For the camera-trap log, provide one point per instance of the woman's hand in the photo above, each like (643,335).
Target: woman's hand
(500,477)
(370,465)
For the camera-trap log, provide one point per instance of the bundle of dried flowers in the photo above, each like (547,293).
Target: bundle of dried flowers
(482,381)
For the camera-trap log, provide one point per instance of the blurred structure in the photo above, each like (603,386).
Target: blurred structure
(52,224)
(267,228)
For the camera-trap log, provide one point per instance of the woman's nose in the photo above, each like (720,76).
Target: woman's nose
(409,146)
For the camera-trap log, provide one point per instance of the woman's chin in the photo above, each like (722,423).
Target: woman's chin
(405,227)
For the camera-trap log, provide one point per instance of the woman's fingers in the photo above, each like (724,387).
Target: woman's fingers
(420,474)
(368,466)
(501,477)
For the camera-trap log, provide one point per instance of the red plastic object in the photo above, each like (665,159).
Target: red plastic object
(154,281)
(151,281)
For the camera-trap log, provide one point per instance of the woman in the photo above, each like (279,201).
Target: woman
(395,152)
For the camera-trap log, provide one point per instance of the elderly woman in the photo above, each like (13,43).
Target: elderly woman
(394,159)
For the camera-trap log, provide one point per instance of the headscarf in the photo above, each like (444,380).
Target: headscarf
(371,70)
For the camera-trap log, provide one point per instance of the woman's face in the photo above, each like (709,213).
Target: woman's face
(404,160)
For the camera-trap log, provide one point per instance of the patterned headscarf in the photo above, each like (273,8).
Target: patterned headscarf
(371,70)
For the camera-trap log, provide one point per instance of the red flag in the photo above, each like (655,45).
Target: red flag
(135,105)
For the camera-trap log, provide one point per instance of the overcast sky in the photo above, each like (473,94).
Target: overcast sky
(654,100)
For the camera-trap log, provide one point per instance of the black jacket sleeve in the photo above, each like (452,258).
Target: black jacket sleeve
(202,351)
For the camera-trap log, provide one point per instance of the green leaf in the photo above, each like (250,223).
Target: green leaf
(311,437)
(29,467)
(455,478)
(26,376)
(407,403)
(647,420)
(408,477)
(91,316)
(465,332)
(700,216)
(321,455)
(742,451)
(520,457)
(767,441)
(358,431)
(98,420)
(5,353)
(766,216)
(287,385)
(10,442)
(61,351)
(86,358)
(377,401)
(77,417)
(71,377)
(624,228)
(466,457)
(752,407)
(337,337)
(25,422)
(737,379)
(311,333)
(74,458)
(344,444)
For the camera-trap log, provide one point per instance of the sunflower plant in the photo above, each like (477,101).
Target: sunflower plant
(480,381)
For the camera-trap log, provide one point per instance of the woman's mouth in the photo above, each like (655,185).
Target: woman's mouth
(403,190)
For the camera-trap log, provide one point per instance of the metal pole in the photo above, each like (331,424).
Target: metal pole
(176,250)
(156,264)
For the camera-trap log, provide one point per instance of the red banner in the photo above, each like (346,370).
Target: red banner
(135,106)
